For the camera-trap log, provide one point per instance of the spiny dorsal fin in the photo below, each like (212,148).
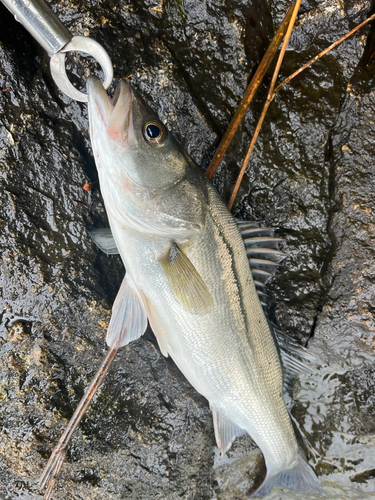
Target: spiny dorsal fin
(263,242)
(266,265)
(185,281)
(252,229)
(265,253)
(262,250)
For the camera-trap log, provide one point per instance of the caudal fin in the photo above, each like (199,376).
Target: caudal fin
(299,478)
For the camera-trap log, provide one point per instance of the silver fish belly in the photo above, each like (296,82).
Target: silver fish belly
(187,271)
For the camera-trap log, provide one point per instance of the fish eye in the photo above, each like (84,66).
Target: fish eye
(155,133)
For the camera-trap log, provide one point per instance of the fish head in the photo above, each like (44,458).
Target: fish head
(130,142)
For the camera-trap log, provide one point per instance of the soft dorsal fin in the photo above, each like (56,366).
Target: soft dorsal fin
(103,239)
(225,431)
(295,359)
(185,281)
(128,320)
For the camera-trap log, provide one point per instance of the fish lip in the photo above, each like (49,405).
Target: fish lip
(98,98)
(116,115)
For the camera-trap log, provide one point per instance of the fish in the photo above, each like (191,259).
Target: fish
(188,276)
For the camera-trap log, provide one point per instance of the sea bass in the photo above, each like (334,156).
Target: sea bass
(187,273)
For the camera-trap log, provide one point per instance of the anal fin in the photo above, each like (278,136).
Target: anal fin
(129,320)
(225,431)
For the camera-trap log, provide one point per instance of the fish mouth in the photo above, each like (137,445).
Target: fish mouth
(115,116)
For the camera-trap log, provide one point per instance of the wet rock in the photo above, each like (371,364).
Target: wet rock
(349,306)
(148,434)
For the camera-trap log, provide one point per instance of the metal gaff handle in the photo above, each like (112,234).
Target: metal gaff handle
(40,22)
(52,35)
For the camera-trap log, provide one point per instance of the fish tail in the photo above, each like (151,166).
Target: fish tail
(299,478)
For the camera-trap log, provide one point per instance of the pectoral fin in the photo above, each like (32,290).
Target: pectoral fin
(128,321)
(185,281)
(103,239)
(225,431)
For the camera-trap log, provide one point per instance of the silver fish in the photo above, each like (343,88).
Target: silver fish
(187,273)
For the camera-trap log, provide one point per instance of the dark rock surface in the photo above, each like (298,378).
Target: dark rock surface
(148,433)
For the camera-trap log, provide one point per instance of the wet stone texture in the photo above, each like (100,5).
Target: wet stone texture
(148,434)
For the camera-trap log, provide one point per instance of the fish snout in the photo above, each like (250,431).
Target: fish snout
(116,116)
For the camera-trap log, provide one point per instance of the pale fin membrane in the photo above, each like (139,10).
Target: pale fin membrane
(103,239)
(129,320)
(185,281)
(300,478)
(287,344)
(225,431)
(295,359)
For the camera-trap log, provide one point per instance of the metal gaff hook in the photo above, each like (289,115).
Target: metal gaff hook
(88,46)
